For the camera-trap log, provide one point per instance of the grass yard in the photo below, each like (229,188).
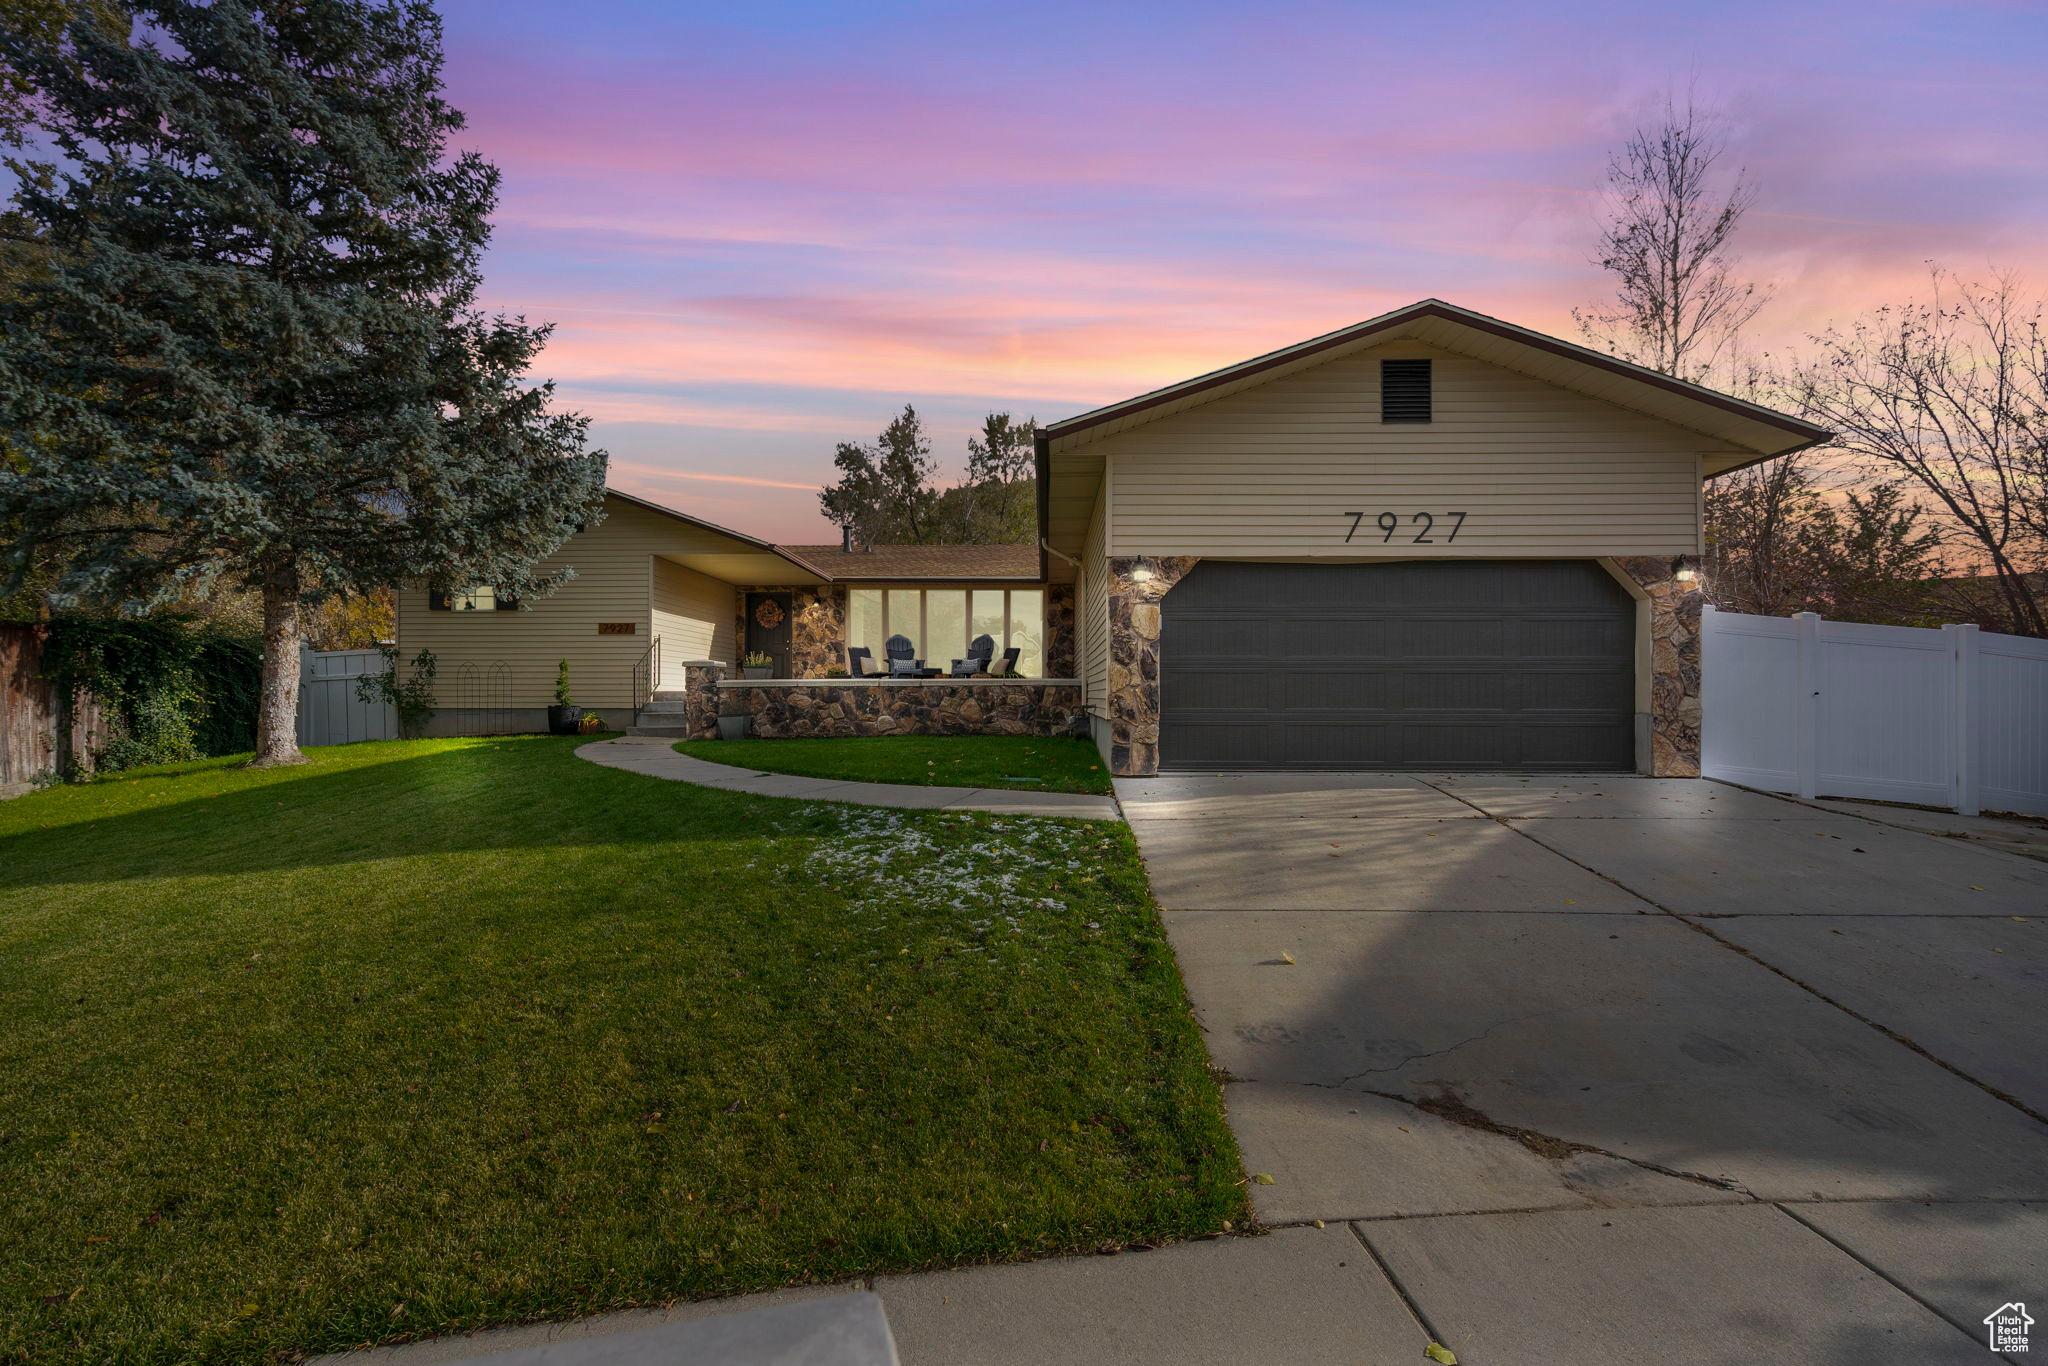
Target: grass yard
(1060,764)
(435,1034)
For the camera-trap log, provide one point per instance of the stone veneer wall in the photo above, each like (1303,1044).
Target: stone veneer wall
(817,626)
(700,699)
(1059,631)
(1135,587)
(805,711)
(1674,665)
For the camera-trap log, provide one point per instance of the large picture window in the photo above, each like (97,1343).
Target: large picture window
(941,621)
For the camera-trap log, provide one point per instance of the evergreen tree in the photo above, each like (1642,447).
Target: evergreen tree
(255,358)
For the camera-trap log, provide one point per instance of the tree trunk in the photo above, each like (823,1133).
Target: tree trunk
(277,711)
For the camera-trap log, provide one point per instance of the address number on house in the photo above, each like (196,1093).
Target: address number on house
(1412,528)
(616,628)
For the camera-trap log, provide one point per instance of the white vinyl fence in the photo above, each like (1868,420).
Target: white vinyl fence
(1952,717)
(330,713)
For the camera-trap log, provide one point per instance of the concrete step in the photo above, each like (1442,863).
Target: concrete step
(666,732)
(665,708)
(668,695)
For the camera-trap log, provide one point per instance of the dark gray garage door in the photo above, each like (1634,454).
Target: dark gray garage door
(1485,664)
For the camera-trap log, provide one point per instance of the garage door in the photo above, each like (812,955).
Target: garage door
(1486,665)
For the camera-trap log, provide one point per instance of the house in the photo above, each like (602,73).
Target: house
(1432,540)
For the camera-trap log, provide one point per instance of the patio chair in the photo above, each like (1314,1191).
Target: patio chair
(903,661)
(860,662)
(979,651)
(1008,663)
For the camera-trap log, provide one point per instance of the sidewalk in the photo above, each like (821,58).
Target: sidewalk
(656,757)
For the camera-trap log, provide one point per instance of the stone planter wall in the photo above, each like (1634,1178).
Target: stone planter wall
(812,709)
(700,698)
(1674,665)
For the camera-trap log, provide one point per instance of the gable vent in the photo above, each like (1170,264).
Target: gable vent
(1404,391)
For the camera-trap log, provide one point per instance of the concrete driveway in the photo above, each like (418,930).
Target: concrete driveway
(1616,1070)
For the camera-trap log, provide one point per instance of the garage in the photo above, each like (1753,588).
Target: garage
(1489,665)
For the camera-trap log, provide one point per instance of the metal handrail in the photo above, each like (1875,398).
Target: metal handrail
(646,676)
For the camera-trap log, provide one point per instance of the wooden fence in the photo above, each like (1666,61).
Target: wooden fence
(39,736)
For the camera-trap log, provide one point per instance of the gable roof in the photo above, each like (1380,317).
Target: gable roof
(746,541)
(905,562)
(1751,428)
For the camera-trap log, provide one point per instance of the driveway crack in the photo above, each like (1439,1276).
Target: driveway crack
(1448,1105)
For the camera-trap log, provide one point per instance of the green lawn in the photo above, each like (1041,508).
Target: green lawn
(1022,761)
(427,1035)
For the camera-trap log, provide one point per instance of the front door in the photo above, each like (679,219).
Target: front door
(768,629)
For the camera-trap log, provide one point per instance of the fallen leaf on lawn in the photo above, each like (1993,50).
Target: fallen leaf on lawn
(733,1108)
(1436,1351)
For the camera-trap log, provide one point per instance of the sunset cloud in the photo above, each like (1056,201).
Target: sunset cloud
(761,230)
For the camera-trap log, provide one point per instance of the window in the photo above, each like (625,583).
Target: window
(1405,390)
(941,621)
(480,599)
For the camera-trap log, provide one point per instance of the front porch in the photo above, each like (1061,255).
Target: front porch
(818,708)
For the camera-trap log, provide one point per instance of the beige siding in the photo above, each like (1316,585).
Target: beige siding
(614,564)
(1091,612)
(693,618)
(1273,471)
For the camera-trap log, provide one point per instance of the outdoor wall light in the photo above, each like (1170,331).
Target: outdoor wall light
(1141,575)
(1685,571)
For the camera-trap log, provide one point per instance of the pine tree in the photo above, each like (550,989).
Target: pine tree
(256,359)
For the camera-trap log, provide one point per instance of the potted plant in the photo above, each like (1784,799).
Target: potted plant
(591,724)
(733,719)
(756,665)
(563,717)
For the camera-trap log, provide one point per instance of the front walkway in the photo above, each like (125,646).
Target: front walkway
(657,758)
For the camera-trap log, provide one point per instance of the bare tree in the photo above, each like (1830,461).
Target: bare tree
(1670,213)
(1951,394)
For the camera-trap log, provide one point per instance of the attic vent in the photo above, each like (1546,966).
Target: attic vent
(1404,391)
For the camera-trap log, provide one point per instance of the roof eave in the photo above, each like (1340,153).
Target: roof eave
(1805,433)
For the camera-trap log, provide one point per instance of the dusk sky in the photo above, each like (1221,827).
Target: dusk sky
(761,229)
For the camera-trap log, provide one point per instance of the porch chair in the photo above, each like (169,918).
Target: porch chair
(979,651)
(1008,663)
(903,661)
(860,662)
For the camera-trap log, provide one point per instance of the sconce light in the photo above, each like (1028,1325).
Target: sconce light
(1141,574)
(1685,570)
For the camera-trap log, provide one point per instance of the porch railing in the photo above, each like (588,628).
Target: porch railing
(646,676)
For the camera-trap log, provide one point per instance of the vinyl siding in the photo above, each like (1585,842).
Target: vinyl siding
(1091,612)
(693,618)
(1273,471)
(614,564)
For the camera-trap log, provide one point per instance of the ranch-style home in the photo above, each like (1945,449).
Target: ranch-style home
(1431,541)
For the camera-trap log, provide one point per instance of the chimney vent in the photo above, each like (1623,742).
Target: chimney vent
(846,539)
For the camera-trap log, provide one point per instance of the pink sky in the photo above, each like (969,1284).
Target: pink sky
(759,234)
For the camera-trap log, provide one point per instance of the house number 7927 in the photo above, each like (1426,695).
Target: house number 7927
(1421,523)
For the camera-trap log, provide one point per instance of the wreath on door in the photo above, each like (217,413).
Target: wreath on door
(768,613)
